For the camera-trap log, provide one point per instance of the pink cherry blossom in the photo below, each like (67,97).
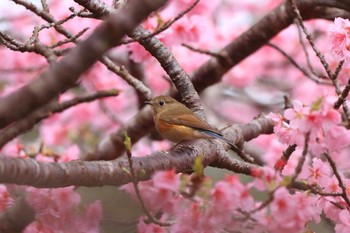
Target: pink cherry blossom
(332,185)
(14,149)
(149,228)
(229,195)
(167,180)
(138,53)
(57,210)
(5,198)
(202,8)
(344,225)
(318,119)
(319,172)
(160,192)
(337,138)
(286,134)
(339,34)
(72,153)
(302,118)
(289,213)
(188,29)
(268,180)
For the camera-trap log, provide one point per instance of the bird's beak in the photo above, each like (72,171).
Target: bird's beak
(148,102)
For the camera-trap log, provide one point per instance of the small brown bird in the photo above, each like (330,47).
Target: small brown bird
(177,123)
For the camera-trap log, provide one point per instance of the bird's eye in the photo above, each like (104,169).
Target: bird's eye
(161,103)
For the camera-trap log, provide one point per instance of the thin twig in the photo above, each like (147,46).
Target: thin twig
(32,44)
(301,159)
(202,51)
(37,29)
(338,69)
(307,56)
(37,47)
(321,57)
(171,22)
(281,163)
(342,98)
(340,181)
(23,69)
(71,39)
(167,24)
(291,60)
(110,114)
(82,14)
(311,41)
(327,194)
(243,155)
(151,218)
(265,203)
(27,123)
(83,99)
(139,86)
(10,42)
(45,6)
(313,187)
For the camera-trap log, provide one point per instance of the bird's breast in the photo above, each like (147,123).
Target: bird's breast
(178,133)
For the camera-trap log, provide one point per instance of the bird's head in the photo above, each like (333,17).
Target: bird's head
(161,103)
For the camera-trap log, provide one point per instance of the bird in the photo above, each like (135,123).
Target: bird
(177,123)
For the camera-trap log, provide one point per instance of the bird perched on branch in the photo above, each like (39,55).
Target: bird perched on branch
(177,123)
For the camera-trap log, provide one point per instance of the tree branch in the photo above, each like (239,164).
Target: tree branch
(27,123)
(258,35)
(96,173)
(61,76)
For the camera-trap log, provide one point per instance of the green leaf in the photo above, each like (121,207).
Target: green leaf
(127,142)
(317,104)
(286,181)
(198,166)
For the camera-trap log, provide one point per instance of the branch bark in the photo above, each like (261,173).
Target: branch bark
(96,173)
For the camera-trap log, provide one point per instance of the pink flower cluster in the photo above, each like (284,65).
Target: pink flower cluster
(227,205)
(5,198)
(211,210)
(320,120)
(319,173)
(60,210)
(289,213)
(339,35)
(56,210)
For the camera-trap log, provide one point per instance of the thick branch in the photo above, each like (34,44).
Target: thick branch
(116,172)
(61,76)
(97,173)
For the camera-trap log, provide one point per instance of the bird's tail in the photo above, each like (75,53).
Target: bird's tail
(218,136)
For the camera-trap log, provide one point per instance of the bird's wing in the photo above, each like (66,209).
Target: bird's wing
(192,121)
